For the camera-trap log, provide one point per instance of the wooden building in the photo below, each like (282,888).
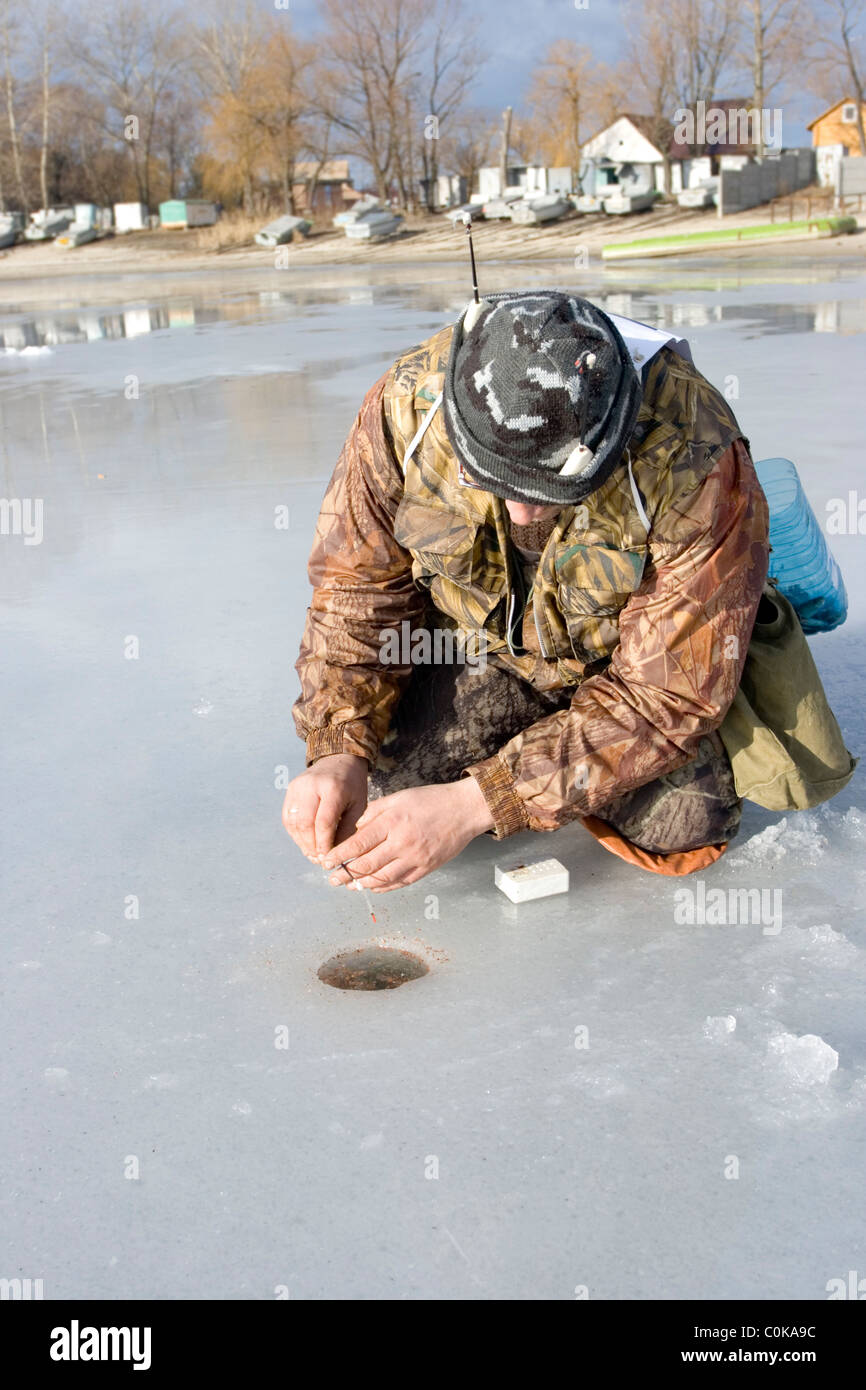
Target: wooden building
(329,184)
(838,126)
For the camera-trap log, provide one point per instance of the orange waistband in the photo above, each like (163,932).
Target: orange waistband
(685,861)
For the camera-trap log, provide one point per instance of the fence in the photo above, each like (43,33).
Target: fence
(744,188)
(851,176)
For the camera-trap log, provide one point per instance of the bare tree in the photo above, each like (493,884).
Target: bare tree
(8,39)
(47,29)
(772,46)
(467,141)
(285,103)
(451,60)
(652,53)
(130,51)
(563,97)
(373,56)
(229,46)
(707,36)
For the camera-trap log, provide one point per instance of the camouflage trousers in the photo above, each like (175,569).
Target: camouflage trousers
(451,716)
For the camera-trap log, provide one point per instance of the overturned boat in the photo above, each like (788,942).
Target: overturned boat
(76,234)
(475,209)
(621,201)
(544,207)
(282,229)
(362,208)
(85,226)
(500,208)
(702,195)
(373,226)
(10,228)
(48,223)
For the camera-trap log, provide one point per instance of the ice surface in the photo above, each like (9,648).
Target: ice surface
(559,1101)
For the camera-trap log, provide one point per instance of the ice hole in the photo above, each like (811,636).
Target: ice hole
(372,967)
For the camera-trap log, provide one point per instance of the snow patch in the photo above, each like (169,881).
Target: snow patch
(28,352)
(718,1028)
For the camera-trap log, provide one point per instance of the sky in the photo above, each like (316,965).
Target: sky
(518,33)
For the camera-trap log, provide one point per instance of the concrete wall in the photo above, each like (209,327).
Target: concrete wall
(740,189)
(851,175)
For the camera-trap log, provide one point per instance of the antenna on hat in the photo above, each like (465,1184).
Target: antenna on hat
(466,219)
(478,305)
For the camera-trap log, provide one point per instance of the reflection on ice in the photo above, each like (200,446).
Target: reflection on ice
(665,304)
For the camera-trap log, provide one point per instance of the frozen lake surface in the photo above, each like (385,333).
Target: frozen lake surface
(582,1095)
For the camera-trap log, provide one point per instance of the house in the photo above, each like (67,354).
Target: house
(632,142)
(333,190)
(713,134)
(838,126)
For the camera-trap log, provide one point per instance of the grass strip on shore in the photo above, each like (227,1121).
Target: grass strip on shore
(730,236)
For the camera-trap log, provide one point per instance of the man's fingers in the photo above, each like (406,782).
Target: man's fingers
(330,810)
(395,874)
(370,863)
(298,818)
(348,822)
(358,844)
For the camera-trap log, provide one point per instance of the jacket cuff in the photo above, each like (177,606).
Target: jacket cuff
(508,811)
(338,738)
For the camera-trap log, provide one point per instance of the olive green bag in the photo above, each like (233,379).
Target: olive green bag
(785,747)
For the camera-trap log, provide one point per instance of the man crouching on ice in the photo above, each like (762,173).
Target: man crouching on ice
(596,536)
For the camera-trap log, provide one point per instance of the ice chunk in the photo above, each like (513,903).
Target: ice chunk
(807,1060)
(802,840)
(718,1028)
(854,822)
(824,935)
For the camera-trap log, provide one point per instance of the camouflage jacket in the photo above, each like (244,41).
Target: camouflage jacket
(650,626)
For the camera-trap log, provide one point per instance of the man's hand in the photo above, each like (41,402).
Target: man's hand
(402,837)
(322,806)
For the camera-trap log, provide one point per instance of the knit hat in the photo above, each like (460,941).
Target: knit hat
(541,396)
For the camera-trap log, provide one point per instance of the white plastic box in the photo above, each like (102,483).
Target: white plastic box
(523,882)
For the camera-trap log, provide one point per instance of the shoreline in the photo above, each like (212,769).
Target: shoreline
(130,266)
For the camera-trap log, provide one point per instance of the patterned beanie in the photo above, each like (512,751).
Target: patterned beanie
(541,396)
